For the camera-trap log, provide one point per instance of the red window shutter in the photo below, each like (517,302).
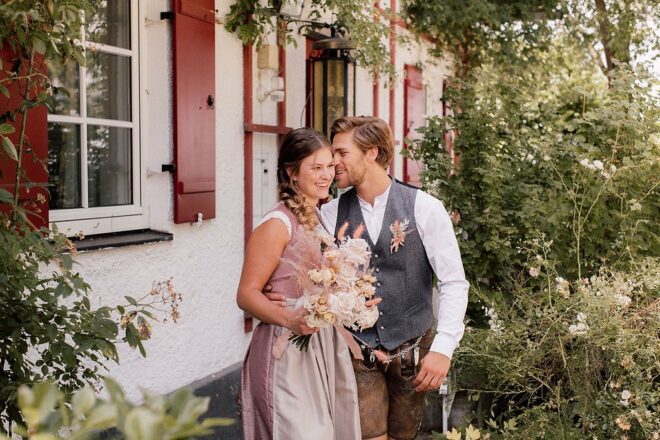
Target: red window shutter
(33,190)
(194,110)
(413,118)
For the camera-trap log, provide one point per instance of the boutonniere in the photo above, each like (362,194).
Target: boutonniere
(399,231)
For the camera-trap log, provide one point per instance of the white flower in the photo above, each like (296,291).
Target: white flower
(581,327)
(315,276)
(625,397)
(367,290)
(368,317)
(585,163)
(356,251)
(494,321)
(635,205)
(327,275)
(598,164)
(622,300)
(578,329)
(613,168)
(343,306)
(563,286)
(534,272)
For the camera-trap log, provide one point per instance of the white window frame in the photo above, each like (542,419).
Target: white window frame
(98,220)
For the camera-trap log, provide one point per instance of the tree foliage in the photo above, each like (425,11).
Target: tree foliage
(357,20)
(553,170)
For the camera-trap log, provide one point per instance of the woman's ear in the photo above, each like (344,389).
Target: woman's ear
(289,171)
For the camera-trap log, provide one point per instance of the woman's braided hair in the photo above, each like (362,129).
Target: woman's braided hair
(296,146)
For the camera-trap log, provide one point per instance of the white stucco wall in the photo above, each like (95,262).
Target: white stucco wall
(205,262)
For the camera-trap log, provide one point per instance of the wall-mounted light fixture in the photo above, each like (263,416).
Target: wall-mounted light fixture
(276,90)
(332,75)
(292,8)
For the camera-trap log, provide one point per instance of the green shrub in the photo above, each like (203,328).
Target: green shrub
(48,414)
(569,360)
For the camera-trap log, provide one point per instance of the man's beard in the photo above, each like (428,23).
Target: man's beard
(356,177)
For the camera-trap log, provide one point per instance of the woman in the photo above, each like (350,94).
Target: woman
(295,394)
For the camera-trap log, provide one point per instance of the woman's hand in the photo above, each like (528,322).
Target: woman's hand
(297,323)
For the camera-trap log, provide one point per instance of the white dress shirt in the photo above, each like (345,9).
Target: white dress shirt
(437,234)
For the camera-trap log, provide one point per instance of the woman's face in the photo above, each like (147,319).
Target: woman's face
(315,175)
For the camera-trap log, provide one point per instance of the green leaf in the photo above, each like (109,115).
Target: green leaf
(103,416)
(472,433)
(9,148)
(37,403)
(83,401)
(7,129)
(114,390)
(5,91)
(454,435)
(217,421)
(39,45)
(6,196)
(142,424)
(131,300)
(80,57)
(67,261)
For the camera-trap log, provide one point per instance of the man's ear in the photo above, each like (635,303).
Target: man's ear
(372,154)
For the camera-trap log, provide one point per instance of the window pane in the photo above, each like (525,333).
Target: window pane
(112,23)
(66,76)
(109,165)
(64,165)
(108,86)
(336,92)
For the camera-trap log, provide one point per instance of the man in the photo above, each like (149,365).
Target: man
(411,238)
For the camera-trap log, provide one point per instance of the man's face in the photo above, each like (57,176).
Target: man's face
(350,161)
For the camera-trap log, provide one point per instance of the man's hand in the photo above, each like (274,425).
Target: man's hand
(434,368)
(275,298)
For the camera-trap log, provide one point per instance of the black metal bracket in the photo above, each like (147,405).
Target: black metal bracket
(167,15)
(168,167)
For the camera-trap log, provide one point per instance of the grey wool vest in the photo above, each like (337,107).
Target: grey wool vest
(405,276)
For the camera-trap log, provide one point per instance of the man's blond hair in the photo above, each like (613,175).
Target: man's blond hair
(368,132)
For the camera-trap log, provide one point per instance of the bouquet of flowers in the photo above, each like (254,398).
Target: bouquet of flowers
(335,289)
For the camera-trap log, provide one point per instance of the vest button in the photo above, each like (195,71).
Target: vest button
(382,327)
(377,269)
(381,313)
(375,255)
(377,284)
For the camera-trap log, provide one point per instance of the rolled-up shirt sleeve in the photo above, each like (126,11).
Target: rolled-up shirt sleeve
(437,234)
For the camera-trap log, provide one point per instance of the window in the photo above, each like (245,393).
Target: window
(93,133)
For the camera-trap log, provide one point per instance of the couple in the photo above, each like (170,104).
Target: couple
(324,393)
